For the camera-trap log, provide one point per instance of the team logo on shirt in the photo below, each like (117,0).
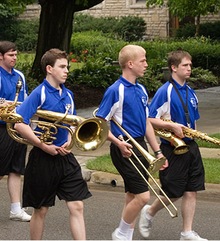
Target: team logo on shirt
(144,100)
(193,102)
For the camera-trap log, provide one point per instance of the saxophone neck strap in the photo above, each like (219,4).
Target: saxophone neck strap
(185,106)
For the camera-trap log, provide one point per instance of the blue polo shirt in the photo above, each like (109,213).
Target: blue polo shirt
(167,104)
(8,82)
(46,97)
(128,104)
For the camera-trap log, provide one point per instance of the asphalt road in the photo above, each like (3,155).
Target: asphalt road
(102,214)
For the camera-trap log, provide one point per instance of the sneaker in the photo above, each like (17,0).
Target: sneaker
(116,237)
(20,216)
(144,223)
(192,236)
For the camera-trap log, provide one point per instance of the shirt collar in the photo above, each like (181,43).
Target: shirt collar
(126,82)
(52,89)
(178,85)
(6,72)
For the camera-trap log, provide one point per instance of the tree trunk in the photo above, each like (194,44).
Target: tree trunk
(55,28)
(197,25)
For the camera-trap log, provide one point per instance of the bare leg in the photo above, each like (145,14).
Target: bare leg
(77,224)
(157,205)
(134,206)
(37,223)
(14,187)
(188,208)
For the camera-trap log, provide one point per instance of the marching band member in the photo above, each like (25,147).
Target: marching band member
(52,170)
(127,102)
(176,101)
(12,153)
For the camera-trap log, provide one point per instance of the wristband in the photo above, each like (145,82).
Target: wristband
(157,152)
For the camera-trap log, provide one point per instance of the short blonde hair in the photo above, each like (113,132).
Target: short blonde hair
(129,52)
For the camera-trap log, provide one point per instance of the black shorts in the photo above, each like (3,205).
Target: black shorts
(184,173)
(133,181)
(47,176)
(12,154)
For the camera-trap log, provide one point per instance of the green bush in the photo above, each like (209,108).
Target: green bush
(7,23)
(129,28)
(96,44)
(95,73)
(209,30)
(27,34)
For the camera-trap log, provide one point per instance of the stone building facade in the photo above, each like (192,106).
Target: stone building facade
(158,20)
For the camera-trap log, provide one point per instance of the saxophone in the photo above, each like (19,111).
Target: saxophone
(194,134)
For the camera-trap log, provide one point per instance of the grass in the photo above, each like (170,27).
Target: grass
(208,144)
(104,163)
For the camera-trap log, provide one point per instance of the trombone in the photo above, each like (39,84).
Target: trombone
(155,165)
(147,155)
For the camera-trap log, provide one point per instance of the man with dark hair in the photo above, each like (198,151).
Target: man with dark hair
(184,176)
(52,169)
(12,154)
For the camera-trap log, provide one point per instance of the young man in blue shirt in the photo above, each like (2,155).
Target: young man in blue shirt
(52,169)
(184,176)
(127,102)
(12,153)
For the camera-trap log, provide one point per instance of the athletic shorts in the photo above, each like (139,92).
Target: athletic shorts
(185,172)
(12,154)
(47,176)
(133,181)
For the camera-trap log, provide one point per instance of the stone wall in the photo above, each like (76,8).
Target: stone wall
(156,18)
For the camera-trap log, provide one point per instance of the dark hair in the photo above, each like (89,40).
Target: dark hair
(6,46)
(50,57)
(176,57)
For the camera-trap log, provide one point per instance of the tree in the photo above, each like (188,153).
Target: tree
(55,28)
(183,8)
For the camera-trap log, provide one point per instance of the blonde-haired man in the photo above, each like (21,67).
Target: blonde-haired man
(127,101)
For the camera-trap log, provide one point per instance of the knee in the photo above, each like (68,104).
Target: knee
(41,213)
(144,198)
(75,207)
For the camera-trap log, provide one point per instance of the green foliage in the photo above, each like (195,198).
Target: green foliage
(183,8)
(7,21)
(131,28)
(209,30)
(95,73)
(202,76)
(24,64)
(96,44)
(128,28)
(27,34)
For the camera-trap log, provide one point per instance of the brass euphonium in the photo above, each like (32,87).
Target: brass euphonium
(89,134)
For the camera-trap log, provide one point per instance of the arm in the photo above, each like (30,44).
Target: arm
(176,128)
(28,134)
(122,145)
